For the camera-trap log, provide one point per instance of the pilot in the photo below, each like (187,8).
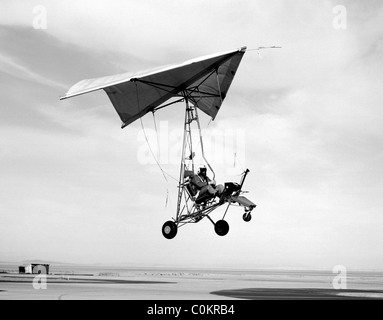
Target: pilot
(206,186)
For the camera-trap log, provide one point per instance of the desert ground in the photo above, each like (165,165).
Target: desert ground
(105,283)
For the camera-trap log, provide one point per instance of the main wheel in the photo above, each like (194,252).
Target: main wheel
(169,230)
(246,217)
(221,228)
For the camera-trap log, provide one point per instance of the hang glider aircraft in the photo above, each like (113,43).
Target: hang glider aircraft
(202,84)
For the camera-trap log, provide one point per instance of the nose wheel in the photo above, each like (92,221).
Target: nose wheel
(246,216)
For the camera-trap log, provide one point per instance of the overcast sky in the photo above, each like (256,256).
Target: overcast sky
(306,120)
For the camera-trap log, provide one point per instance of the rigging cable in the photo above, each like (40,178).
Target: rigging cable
(155,128)
(168,199)
(151,150)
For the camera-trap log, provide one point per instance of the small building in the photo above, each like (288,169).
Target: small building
(34,268)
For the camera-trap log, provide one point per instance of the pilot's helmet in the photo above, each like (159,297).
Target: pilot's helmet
(202,170)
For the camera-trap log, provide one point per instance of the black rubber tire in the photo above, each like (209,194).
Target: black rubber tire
(169,230)
(221,228)
(246,217)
